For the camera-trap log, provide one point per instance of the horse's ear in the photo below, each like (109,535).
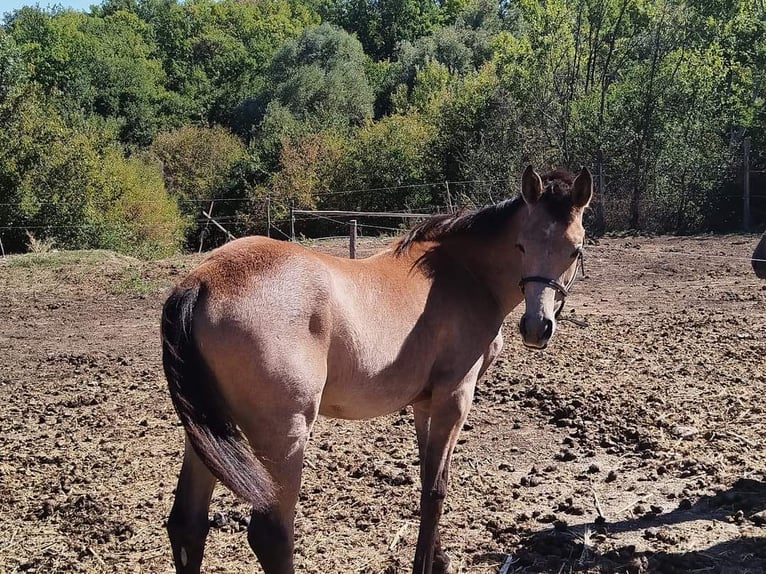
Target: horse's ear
(531,185)
(582,188)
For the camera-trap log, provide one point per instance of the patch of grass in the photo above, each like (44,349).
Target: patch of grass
(111,272)
(39,246)
(65,259)
(20,261)
(134,283)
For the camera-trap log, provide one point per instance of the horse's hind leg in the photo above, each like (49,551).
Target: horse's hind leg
(188,522)
(271,532)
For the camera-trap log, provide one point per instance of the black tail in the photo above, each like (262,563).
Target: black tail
(201,408)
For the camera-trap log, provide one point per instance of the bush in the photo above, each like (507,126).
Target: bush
(142,220)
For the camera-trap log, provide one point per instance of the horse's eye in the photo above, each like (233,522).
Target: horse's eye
(520,247)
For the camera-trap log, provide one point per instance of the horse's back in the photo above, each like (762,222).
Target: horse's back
(286,280)
(239,267)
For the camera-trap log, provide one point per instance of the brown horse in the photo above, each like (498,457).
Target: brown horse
(264,336)
(759,258)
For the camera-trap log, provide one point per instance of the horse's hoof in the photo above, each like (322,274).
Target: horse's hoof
(442,564)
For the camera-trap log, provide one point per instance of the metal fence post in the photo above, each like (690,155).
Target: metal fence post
(352,239)
(203,233)
(746,178)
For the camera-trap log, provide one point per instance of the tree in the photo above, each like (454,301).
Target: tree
(93,65)
(215,53)
(315,83)
(479,137)
(310,168)
(389,158)
(75,186)
(381,25)
(461,48)
(320,77)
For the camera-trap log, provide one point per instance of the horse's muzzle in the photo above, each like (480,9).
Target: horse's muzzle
(536,332)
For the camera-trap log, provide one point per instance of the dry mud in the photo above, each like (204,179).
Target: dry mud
(634,444)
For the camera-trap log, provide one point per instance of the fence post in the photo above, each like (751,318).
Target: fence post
(352,239)
(292,224)
(449,198)
(746,178)
(218,225)
(203,233)
(268,216)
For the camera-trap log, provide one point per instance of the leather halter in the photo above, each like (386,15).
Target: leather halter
(563,290)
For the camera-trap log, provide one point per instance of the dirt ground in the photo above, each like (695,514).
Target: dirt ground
(634,444)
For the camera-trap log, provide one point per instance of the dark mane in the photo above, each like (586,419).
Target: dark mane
(483,221)
(557,198)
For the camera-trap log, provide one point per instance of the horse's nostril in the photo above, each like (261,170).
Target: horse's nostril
(548,331)
(523,326)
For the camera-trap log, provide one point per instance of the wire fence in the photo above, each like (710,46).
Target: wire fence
(257,212)
(349,192)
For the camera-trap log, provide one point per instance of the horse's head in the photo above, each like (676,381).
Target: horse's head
(550,241)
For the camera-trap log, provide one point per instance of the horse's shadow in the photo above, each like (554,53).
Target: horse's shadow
(586,547)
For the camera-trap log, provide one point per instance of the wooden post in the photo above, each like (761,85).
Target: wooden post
(203,233)
(746,178)
(218,225)
(449,198)
(268,217)
(292,224)
(352,239)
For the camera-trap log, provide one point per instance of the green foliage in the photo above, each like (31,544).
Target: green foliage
(198,165)
(381,26)
(460,48)
(141,219)
(478,137)
(320,78)
(309,168)
(388,158)
(118,125)
(315,83)
(103,66)
(196,161)
(75,186)
(13,72)
(215,53)
(67,182)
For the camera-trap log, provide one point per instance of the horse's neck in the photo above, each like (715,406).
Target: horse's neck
(496,264)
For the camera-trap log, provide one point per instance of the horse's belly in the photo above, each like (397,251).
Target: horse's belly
(364,397)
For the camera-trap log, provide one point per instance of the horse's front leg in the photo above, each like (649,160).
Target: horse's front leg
(422,412)
(438,426)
